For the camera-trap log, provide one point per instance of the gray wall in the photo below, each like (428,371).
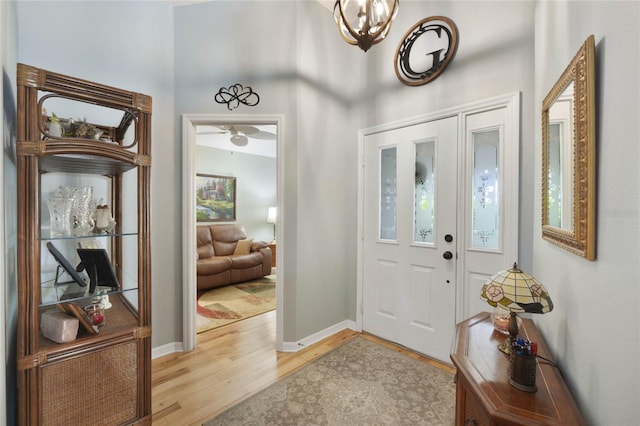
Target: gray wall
(495,56)
(226,42)
(8,215)
(595,327)
(328,77)
(128,45)
(255,186)
(326,91)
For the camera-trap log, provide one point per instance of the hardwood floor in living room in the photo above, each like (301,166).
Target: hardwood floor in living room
(229,364)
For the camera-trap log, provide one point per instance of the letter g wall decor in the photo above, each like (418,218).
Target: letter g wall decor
(426,50)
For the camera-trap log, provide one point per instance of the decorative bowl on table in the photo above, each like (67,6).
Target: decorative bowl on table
(500,319)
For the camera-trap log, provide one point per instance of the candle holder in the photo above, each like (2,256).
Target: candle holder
(95,311)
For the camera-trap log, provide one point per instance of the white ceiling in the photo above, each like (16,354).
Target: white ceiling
(214,137)
(326,3)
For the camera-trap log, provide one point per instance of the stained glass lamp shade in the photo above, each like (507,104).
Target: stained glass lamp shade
(516,291)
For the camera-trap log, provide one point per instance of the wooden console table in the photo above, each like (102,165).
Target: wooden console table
(272,246)
(483,393)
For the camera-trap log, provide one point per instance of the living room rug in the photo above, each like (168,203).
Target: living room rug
(234,302)
(358,383)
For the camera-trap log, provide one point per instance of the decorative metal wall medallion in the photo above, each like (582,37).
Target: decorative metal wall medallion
(426,50)
(235,95)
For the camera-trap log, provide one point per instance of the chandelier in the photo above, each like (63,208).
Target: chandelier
(364,22)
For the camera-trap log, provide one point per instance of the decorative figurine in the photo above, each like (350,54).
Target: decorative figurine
(104,220)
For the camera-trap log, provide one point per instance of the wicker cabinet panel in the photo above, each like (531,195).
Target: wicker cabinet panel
(96,388)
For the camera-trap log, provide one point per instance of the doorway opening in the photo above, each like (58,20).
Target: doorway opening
(236,131)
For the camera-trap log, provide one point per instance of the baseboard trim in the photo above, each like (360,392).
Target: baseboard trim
(174,347)
(167,349)
(316,337)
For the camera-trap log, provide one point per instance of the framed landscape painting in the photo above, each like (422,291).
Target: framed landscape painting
(215,198)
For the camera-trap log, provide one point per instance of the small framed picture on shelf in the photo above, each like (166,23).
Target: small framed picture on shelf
(63,264)
(215,198)
(98,267)
(88,243)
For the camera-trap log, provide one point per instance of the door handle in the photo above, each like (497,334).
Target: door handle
(447,255)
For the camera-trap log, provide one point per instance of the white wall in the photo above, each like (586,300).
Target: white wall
(127,44)
(494,57)
(8,214)
(255,186)
(329,77)
(270,46)
(345,89)
(327,90)
(302,69)
(594,329)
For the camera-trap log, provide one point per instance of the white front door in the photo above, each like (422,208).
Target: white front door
(439,215)
(410,236)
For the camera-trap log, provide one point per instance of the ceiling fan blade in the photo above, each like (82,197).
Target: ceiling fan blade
(210,130)
(266,136)
(247,130)
(210,133)
(243,132)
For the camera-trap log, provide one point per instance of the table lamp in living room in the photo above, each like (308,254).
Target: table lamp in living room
(271,218)
(515,291)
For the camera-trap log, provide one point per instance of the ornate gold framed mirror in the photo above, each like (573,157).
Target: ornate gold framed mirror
(569,156)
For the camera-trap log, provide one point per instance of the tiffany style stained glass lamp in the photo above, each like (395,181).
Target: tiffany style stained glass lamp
(515,291)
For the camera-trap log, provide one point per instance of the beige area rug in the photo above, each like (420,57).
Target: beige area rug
(231,303)
(359,383)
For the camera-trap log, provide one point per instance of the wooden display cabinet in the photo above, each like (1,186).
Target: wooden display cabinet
(105,145)
(483,393)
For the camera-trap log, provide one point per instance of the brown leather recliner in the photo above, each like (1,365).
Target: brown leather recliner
(226,256)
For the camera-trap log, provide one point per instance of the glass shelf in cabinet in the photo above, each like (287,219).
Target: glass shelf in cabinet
(45,235)
(71,292)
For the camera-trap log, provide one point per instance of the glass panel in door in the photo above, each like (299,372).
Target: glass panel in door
(485,196)
(388,194)
(423,208)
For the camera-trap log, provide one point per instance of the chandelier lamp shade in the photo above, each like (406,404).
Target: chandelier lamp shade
(364,22)
(516,291)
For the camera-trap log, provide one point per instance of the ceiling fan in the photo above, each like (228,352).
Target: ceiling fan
(240,134)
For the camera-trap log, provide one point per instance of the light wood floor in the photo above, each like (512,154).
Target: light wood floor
(230,364)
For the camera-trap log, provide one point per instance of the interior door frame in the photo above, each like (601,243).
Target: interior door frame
(510,101)
(189,253)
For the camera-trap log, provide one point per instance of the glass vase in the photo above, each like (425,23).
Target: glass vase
(59,212)
(60,203)
(82,222)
